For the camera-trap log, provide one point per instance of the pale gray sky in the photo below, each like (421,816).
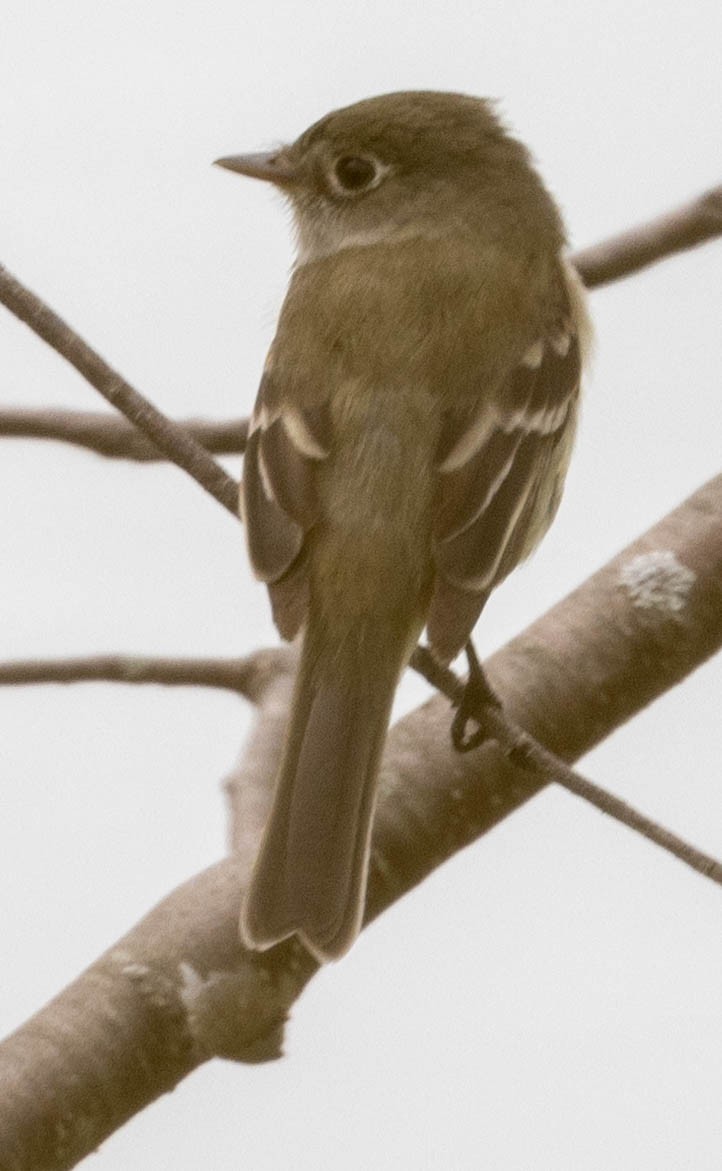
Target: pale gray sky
(550,1000)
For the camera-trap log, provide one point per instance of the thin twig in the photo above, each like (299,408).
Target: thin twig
(243,675)
(171,438)
(113,436)
(523,750)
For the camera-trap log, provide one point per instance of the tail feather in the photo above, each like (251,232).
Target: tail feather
(310,877)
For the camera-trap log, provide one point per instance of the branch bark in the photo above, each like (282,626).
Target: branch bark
(179,988)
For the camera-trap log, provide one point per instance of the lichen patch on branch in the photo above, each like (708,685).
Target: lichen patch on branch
(657,581)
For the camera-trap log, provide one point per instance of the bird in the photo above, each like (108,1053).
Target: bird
(407,448)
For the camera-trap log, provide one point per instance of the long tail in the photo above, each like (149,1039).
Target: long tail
(310,876)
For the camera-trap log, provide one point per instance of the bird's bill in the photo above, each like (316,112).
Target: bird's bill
(271,166)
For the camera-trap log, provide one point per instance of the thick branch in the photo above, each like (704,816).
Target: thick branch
(171,438)
(180,988)
(629,633)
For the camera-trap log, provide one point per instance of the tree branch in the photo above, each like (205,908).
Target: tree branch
(179,988)
(687,226)
(246,676)
(113,436)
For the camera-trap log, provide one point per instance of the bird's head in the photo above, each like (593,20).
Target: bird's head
(415,164)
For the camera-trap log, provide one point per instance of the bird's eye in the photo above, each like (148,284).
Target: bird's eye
(354,172)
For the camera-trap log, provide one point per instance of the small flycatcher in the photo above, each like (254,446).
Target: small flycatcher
(408,448)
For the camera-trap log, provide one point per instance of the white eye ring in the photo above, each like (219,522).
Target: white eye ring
(363,172)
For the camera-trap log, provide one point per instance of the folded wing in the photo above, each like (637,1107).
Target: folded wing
(501,472)
(279,502)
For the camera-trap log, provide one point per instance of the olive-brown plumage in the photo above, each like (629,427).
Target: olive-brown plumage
(408,448)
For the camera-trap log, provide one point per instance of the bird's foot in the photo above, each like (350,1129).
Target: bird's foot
(478,696)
